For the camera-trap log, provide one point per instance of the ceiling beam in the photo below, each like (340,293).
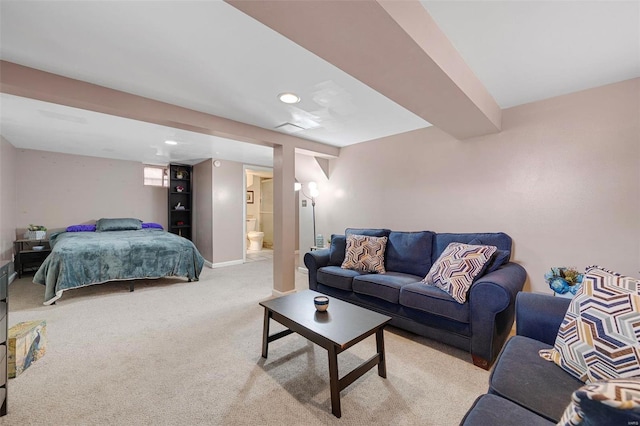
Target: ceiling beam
(31,83)
(394,47)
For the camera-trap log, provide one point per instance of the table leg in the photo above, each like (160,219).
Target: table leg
(265,333)
(382,365)
(334,382)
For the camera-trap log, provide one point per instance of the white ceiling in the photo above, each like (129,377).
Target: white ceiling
(208,56)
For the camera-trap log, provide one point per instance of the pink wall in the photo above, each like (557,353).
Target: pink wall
(57,190)
(562,178)
(8,197)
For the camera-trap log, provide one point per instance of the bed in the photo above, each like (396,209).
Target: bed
(115,251)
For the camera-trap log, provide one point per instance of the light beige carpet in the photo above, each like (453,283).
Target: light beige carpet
(180,353)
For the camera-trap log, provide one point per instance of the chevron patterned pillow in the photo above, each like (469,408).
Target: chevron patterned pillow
(618,396)
(457,267)
(598,338)
(365,253)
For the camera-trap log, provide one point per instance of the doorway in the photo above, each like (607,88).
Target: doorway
(258,211)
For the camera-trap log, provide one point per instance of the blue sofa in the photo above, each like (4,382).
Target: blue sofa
(525,389)
(480,326)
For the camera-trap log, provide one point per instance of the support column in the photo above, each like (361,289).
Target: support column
(284,219)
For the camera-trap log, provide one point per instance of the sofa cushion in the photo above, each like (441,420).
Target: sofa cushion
(337,249)
(365,253)
(614,401)
(335,276)
(490,410)
(434,301)
(598,337)
(498,239)
(383,286)
(457,268)
(409,252)
(521,376)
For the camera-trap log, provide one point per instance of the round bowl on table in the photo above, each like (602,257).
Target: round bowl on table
(321,303)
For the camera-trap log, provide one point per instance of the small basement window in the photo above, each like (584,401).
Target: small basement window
(156,176)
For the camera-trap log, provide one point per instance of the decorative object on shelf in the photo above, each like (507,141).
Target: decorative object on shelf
(38,248)
(35,232)
(249,197)
(563,280)
(179,207)
(182,174)
(179,188)
(321,303)
(180,223)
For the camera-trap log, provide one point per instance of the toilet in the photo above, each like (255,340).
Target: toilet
(255,237)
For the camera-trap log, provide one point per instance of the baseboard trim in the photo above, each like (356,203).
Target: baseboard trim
(303,270)
(223,264)
(13,277)
(277,293)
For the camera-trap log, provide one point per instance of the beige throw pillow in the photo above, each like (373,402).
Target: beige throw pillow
(365,253)
(598,338)
(457,267)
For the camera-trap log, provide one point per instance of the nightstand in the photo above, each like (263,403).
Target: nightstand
(26,258)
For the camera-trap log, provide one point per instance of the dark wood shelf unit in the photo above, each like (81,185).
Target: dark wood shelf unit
(180,221)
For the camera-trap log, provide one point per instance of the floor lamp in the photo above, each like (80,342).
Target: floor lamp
(313,193)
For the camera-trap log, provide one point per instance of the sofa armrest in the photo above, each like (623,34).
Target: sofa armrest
(492,306)
(539,316)
(315,260)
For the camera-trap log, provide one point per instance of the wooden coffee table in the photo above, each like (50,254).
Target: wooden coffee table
(340,327)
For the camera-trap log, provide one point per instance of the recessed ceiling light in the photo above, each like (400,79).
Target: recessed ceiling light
(171,142)
(289,98)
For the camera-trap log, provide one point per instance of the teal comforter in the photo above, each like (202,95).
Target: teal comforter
(80,259)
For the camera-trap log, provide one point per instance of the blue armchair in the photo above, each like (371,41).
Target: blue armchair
(525,389)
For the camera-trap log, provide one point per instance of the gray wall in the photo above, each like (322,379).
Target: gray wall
(228,212)
(8,198)
(58,190)
(203,208)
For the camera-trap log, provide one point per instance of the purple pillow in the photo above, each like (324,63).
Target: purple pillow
(81,228)
(151,225)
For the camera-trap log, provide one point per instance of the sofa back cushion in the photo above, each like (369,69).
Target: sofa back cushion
(498,239)
(409,252)
(369,232)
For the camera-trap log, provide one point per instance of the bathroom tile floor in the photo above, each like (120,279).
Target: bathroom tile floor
(256,256)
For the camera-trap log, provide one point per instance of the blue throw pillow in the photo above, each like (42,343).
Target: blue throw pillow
(337,249)
(499,258)
(146,225)
(81,228)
